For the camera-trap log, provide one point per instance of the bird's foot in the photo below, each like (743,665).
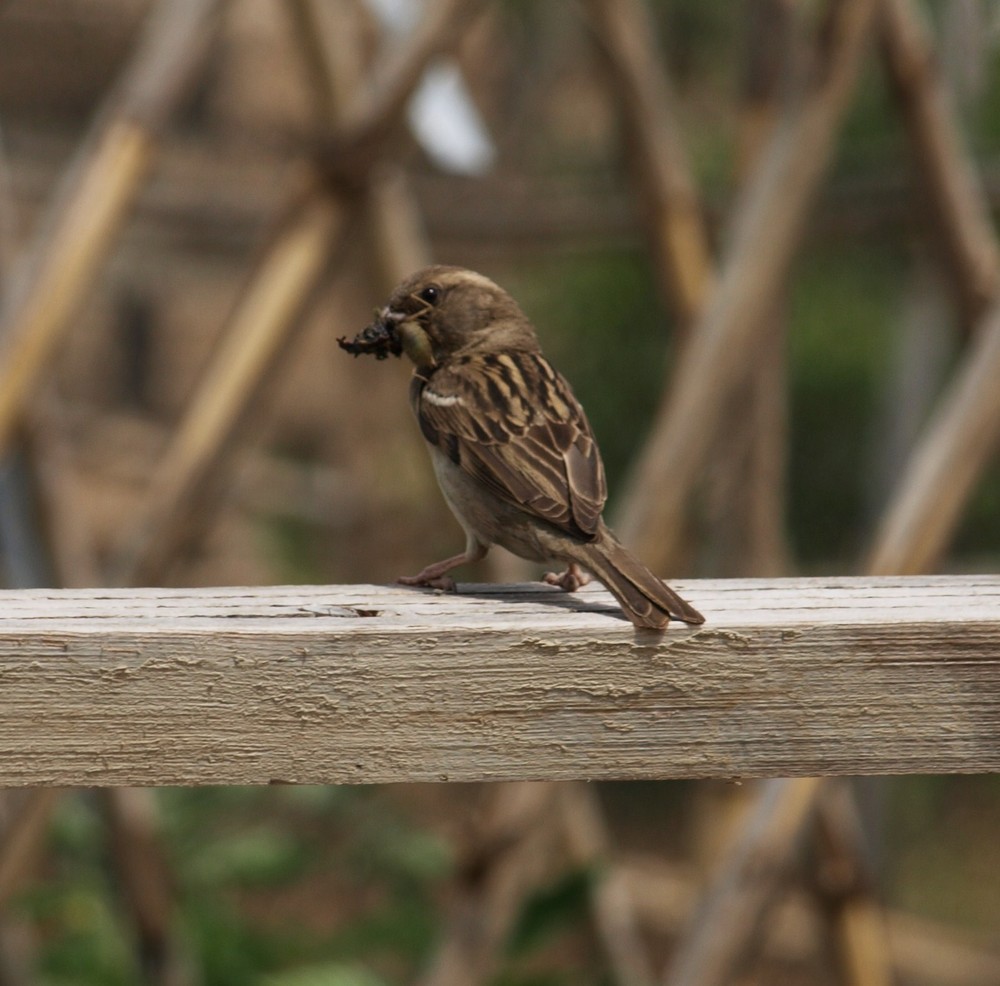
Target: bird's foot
(435,576)
(443,582)
(570,580)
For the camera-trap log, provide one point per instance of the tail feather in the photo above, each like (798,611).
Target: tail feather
(646,600)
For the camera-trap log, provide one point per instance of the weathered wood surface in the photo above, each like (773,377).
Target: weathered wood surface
(370,684)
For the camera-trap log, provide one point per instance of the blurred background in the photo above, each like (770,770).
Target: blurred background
(197,199)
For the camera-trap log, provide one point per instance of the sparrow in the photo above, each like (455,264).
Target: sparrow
(511,447)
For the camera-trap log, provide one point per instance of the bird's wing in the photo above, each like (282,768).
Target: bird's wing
(510,420)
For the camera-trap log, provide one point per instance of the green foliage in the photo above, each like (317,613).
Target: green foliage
(945,848)
(842,302)
(229,950)
(291,545)
(264,857)
(872,139)
(310,884)
(978,535)
(550,910)
(76,906)
(86,940)
(984,118)
(552,978)
(326,974)
(342,909)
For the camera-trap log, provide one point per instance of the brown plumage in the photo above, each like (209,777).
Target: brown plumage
(512,448)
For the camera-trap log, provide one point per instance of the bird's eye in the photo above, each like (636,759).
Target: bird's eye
(430,295)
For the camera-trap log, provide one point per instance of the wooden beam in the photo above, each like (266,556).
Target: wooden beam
(342,684)
(22,835)
(612,913)
(924,953)
(370,119)
(512,843)
(731,916)
(728,336)
(255,339)
(671,209)
(329,38)
(93,199)
(953,185)
(258,331)
(941,474)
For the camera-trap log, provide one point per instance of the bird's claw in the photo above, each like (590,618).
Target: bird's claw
(570,580)
(443,582)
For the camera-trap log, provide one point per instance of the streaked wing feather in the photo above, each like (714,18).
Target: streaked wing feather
(587,495)
(512,422)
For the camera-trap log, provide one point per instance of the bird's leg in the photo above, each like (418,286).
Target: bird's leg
(435,576)
(570,580)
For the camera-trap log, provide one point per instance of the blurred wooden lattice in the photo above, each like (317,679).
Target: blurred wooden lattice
(92,203)
(731,313)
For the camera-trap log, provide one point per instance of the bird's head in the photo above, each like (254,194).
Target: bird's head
(441,311)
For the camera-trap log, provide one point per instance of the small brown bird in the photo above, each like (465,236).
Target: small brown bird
(512,449)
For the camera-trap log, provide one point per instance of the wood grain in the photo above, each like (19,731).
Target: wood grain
(372,684)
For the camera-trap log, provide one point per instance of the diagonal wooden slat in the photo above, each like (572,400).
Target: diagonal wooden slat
(269,310)
(958,442)
(723,343)
(756,864)
(954,186)
(676,232)
(93,199)
(257,334)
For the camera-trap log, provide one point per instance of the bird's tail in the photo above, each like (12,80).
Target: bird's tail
(647,602)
